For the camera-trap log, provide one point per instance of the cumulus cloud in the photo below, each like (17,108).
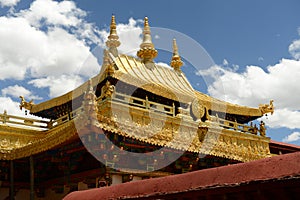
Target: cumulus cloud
(54,50)
(283,117)
(58,85)
(48,45)
(8,3)
(294,49)
(295,136)
(16,91)
(255,86)
(12,107)
(130,36)
(48,12)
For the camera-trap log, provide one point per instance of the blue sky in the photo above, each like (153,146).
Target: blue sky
(255,46)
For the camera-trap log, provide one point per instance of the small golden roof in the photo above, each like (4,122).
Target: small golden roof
(147,51)
(113,39)
(176,61)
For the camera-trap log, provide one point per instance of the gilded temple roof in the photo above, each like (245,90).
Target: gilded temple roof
(143,73)
(159,80)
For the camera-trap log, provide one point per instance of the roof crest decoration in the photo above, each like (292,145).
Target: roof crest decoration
(176,61)
(113,39)
(147,50)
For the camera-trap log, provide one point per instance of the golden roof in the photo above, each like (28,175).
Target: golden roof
(143,73)
(160,80)
(19,142)
(167,82)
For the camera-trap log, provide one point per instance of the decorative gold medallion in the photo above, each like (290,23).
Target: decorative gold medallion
(198,109)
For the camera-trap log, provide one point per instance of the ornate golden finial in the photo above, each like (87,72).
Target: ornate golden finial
(147,51)
(176,61)
(113,39)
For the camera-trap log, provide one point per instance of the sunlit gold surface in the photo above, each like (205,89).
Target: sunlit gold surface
(150,122)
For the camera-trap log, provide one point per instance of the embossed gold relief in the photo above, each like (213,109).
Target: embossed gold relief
(144,125)
(183,134)
(197,108)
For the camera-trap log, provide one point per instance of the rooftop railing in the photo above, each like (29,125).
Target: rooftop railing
(144,103)
(130,101)
(23,121)
(233,125)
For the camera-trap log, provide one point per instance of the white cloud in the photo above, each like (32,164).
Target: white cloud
(283,118)
(8,3)
(48,45)
(295,136)
(225,62)
(294,49)
(130,36)
(41,52)
(255,86)
(16,91)
(48,12)
(52,53)
(12,107)
(58,85)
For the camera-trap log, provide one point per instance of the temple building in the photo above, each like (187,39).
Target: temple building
(134,120)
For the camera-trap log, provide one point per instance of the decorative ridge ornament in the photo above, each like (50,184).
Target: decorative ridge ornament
(176,61)
(147,52)
(113,39)
(25,105)
(267,108)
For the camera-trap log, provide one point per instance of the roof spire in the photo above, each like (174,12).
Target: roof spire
(113,39)
(176,61)
(147,51)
